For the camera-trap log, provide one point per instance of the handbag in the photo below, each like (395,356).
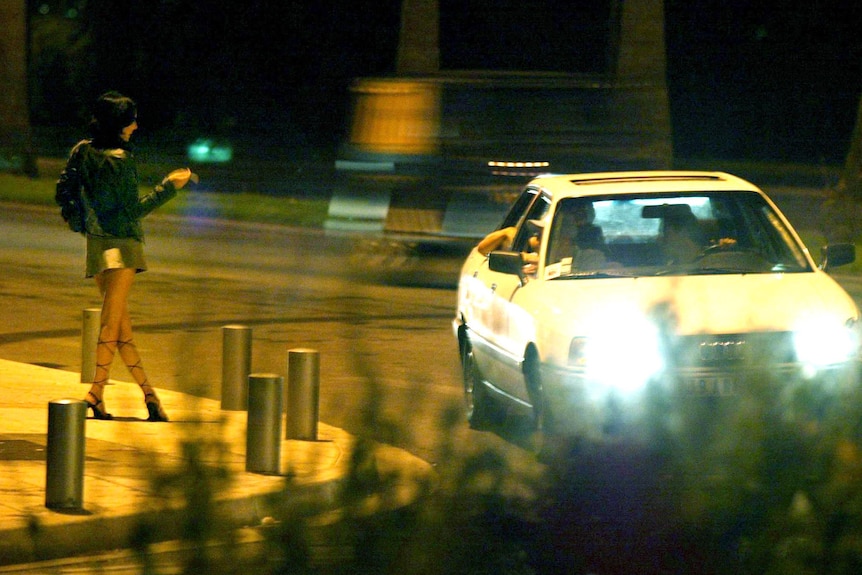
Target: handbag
(68,194)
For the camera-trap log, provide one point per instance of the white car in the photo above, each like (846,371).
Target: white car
(645,289)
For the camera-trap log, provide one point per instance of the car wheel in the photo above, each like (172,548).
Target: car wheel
(542,418)
(478,406)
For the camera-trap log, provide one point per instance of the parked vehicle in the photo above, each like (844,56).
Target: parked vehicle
(646,291)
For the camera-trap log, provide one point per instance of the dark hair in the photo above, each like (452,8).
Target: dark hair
(112,112)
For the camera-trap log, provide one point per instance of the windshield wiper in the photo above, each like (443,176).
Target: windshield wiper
(689,270)
(719,271)
(594,275)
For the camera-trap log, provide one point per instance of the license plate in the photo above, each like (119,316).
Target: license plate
(710,386)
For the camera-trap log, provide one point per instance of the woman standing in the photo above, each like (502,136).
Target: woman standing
(101,174)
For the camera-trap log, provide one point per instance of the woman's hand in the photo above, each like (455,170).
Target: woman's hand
(179,178)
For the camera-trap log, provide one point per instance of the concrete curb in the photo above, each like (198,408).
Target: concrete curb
(151,475)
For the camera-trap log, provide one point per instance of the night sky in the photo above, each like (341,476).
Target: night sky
(774,79)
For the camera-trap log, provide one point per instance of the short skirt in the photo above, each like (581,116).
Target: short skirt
(105,253)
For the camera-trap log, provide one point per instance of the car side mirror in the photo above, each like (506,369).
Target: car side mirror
(832,256)
(507,263)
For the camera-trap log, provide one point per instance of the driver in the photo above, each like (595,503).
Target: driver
(497,240)
(575,233)
(682,238)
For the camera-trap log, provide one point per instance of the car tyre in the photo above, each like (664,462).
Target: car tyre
(479,406)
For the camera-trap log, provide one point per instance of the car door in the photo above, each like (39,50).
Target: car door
(514,216)
(472,294)
(498,346)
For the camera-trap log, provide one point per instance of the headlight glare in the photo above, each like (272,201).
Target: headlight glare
(622,356)
(821,341)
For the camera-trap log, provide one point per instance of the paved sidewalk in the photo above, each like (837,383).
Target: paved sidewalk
(124,457)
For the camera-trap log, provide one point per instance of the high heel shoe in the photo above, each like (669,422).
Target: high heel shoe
(98,413)
(154,408)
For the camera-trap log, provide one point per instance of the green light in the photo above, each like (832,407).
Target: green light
(206,151)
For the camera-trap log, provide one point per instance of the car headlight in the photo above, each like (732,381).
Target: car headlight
(621,353)
(820,341)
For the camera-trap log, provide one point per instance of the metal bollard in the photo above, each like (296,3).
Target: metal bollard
(64,485)
(92,324)
(263,431)
(303,393)
(236,366)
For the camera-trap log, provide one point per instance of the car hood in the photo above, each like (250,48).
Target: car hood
(700,304)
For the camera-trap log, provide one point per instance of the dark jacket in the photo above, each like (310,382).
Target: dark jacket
(106,181)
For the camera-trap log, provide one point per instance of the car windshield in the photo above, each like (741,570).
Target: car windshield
(673,234)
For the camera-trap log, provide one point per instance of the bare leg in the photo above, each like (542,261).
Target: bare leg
(132,359)
(129,353)
(116,335)
(114,286)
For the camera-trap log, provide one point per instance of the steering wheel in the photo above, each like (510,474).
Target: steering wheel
(737,253)
(729,245)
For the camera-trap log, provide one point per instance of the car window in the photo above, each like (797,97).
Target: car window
(736,232)
(519,208)
(528,229)
(513,234)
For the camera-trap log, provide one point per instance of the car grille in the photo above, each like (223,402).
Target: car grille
(733,350)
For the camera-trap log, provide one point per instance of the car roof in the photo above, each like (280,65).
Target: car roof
(610,183)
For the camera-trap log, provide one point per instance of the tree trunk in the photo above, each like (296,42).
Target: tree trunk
(16,150)
(842,213)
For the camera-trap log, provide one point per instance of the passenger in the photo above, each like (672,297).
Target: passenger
(682,237)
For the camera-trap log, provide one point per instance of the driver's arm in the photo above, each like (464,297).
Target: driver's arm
(501,238)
